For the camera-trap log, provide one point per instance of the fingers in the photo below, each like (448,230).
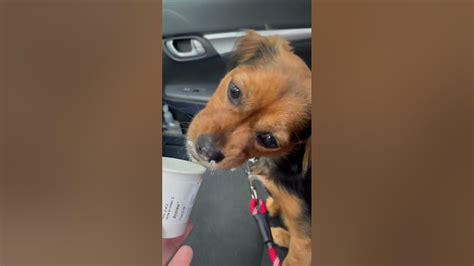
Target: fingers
(183,257)
(171,245)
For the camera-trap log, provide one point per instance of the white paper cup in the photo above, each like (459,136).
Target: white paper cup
(181,181)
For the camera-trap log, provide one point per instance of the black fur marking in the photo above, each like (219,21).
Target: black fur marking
(287,173)
(302,134)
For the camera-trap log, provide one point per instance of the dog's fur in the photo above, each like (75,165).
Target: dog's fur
(276,97)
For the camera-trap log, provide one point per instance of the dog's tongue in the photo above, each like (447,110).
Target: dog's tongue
(212,166)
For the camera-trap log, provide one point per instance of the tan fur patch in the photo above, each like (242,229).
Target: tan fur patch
(281,237)
(291,212)
(272,207)
(299,252)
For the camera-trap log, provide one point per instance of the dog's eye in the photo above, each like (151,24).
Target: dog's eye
(234,93)
(267,141)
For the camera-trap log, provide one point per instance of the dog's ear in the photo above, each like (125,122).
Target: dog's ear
(253,47)
(303,133)
(307,156)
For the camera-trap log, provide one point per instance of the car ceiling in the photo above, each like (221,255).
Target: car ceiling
(207,16)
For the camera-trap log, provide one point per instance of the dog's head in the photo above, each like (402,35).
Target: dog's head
(261,108)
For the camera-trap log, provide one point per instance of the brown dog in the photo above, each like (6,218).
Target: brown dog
(262,108)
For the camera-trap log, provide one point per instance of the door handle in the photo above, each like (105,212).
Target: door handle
(197,49)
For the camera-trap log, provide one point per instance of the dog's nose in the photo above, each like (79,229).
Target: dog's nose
(207,147)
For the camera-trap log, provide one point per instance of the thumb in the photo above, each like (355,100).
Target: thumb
(183,257)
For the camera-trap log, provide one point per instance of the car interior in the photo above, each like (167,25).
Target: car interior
(198,39)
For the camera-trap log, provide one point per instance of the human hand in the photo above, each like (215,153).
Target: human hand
(184,254)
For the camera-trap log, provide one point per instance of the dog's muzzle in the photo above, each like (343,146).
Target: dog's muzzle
(207,148)
(204,150)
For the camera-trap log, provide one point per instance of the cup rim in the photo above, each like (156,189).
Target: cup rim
(190,168)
